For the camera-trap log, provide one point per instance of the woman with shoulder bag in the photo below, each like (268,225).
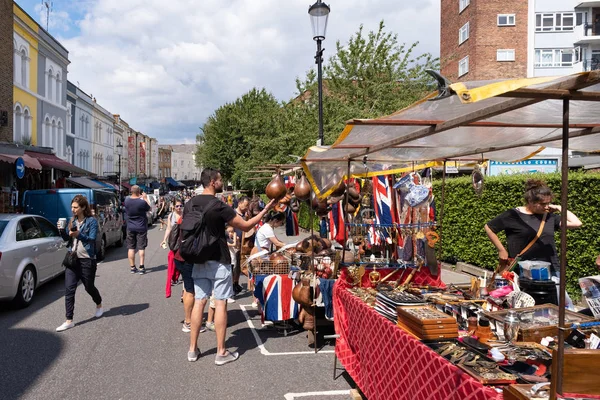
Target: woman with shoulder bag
(530,229)
(176,263)
(82,231)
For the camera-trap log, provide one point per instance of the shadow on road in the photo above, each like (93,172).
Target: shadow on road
(46,294)
(26,354)
(128,309)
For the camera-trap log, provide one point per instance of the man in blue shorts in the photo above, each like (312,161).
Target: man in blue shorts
(214,276)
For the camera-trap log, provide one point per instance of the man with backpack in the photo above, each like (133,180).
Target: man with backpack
(212,275)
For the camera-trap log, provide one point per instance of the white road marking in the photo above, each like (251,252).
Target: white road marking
(262,347)
(291,396)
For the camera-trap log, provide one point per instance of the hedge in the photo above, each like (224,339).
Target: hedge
(465,215)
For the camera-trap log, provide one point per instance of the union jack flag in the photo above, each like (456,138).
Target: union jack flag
(384,206)
(278,302)
(289,181)
(337,229)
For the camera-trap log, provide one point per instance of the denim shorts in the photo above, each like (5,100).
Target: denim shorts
(212,278)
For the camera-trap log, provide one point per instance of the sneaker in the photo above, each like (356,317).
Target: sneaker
(231,300)
(210,326)
(99,312)
(254,304)
(133,270)
(141,271)
(193,355)
(65,325)
(187,328)
(202,329)
(227,358)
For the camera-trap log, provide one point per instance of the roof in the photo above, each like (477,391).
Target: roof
(184,148)
(51,161)
(503,121)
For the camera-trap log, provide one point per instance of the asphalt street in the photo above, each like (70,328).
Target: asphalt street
(138,351)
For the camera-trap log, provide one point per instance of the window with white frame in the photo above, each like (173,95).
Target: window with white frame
(463,33)
(555,22)
(505,55)
(17,125)
(49,84)
(545,58)
(24,67)
(463,66)
(506,19)
(26,125)
(58,87)
(462,4)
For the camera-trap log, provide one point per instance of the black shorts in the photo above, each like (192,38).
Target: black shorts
(137,240)
(186,274)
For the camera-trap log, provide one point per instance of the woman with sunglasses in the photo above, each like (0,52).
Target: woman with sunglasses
(177,264)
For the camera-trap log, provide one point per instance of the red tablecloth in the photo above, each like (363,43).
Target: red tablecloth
(387,363)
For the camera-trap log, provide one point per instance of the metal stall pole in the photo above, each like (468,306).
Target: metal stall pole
(563,244)
(345,214)
(312,266)
(442,206)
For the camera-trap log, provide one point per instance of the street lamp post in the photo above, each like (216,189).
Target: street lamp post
(319,13)
(119,150)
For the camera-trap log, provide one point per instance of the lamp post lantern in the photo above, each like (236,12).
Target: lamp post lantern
(319,13)
(119,150)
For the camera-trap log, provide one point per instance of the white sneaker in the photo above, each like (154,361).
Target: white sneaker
(99,312)
(254,304)
(231,300)
(65,325)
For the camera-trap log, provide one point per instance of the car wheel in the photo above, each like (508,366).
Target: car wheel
(26,288)
(101,253)
(121,239)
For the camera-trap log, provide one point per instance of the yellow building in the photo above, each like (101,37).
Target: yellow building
(25,77)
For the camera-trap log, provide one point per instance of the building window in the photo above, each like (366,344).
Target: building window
(26,126)
(58,82)
(49,85)
(17,126)
(23,68)
(506,19)
(462,4)
(463,66)
(463,33)
(554,22)
(505,55)
(556,57)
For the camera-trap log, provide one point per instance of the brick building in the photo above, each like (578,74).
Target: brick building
(483,39)
(496,39)
(6,70)
(164,161)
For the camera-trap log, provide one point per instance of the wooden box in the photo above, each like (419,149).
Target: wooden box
(426,322)
(536,322)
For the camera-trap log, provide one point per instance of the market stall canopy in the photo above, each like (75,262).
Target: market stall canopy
(507,121)
(172,182)
(106,185)
(51,161)
(86,183)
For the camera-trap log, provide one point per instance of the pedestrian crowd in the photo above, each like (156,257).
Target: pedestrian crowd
(231,224)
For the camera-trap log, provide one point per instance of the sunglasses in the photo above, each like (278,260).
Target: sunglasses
(178,206)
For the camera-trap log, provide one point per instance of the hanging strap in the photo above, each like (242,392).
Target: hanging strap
(537,236)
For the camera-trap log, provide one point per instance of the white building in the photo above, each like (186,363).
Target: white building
(563,37)
(103,141)
(81,122)
(120,147)
(183,162)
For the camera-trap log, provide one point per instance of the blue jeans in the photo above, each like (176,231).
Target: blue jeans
(212,278)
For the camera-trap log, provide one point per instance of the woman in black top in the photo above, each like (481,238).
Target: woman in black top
(522,223)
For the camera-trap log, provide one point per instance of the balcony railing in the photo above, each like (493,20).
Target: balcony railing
(591,64)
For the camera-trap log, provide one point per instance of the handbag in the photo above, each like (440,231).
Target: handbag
(70,260)
(508,265)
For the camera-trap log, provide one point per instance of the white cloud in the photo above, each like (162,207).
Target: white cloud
(166,66)
(52,19)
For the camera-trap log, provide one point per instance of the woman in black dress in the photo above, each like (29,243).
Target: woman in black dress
(521,225)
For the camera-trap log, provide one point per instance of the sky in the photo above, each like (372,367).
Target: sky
(166,66)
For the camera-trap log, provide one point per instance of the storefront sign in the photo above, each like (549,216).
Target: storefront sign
(523,167)
(451,170)
(20,167)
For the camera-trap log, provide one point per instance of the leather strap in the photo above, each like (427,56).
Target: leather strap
(537,236)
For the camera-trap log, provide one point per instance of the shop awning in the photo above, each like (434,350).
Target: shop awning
(85,183)
(107,185)
(30,162)
(126,185)
(504,121)
(51,161)
(172,182)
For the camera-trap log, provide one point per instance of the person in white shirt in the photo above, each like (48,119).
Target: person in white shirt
(265,237)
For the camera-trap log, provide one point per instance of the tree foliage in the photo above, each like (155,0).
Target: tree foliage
(370,76)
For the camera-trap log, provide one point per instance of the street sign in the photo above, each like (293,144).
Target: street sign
(20,167)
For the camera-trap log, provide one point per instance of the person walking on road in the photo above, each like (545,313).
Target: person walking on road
(214,276)
(83,229)
(136,207)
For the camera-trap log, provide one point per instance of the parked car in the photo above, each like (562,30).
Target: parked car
(56,203)
(31,254)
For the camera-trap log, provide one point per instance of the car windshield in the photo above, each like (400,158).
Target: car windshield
(3,224)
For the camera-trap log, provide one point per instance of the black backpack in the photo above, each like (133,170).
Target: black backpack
(195,242)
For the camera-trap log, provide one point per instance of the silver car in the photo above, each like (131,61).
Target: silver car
(31,253)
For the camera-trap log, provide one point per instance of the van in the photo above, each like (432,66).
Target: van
(56,203)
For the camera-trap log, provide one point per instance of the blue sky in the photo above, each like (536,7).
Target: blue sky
(166,66)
